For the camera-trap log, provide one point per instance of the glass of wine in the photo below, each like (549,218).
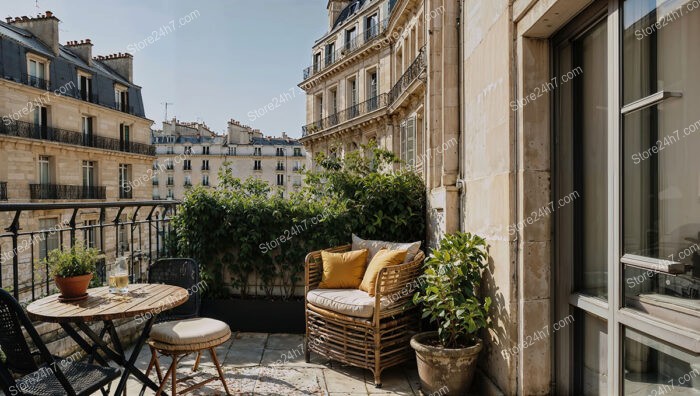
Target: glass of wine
(119,277)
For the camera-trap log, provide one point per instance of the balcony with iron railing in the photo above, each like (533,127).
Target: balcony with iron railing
(3,191)
(414,71)
(205,167)
(349,48)
(41,132)
(280,167)
(62,191)
(348,114)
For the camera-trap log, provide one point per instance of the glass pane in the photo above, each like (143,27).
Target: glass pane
(661,185)
(654,368)
(592,355)
(581,129)
(660,46)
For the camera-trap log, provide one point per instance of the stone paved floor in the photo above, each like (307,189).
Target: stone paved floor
(273,364)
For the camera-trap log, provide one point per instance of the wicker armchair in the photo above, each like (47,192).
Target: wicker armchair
(374,343)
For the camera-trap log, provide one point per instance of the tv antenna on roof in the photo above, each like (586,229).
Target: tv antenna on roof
(166,108)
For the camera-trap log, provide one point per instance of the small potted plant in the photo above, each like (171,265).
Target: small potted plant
(72,270)
(450,299)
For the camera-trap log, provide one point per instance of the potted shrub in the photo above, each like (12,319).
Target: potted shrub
(72,270)
(450,299)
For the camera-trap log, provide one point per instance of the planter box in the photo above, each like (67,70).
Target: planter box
(257,315)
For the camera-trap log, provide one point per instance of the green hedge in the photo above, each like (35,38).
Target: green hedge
(246,228)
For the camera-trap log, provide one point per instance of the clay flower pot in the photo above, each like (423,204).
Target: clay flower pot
(443,370)
(74,286)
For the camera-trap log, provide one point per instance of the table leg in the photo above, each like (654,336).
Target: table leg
(140,342)
(128,365)
(84,345)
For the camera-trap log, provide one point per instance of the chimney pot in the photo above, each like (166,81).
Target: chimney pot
(25,18)
(88,41)
(8,19)
(49,14)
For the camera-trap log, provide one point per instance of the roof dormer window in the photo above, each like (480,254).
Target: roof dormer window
(37,72)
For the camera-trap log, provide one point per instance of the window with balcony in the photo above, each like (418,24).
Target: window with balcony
(45,170)
(171,181)
(297,151)
(205,180)
(170,150)
(87,131)
(317,62)
(205,165)
(280,165)
(318,109)
(91,235)
(232,150)
(372,90)
(85,86)
(37,73)
(40,116)
(297,166)
(257,165)
(170,194)
(188,150)
(188,181)
(352,98)
(125,181)
(49,240)
(187,165)
(280,180)
(330,53)
(89,179)
(371,26)
(257,151)
(280,152)
(124,137)
(169,164)
(408,141)
(350,35)
(121,99)
(205,150)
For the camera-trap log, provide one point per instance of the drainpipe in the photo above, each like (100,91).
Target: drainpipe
(461,187)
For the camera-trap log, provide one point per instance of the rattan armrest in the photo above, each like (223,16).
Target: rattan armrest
(313,267)
(397,283)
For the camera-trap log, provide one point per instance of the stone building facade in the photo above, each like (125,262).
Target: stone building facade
(575,126)
(190,154)
(73,129)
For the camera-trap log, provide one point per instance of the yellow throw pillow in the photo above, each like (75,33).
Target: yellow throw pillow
(343,270)
(383,258)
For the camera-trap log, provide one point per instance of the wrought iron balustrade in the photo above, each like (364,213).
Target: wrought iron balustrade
(36,82)
(42,132)
(63,191)
(348,114)
(140,237)
(417,67)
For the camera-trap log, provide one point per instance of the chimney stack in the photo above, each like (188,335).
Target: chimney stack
(82,49)
(334,8)
(122,63)
(44,27)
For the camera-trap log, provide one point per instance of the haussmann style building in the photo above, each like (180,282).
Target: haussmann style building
(563,132)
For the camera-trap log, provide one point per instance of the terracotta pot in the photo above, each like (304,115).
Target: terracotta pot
(444,371)
(74,286)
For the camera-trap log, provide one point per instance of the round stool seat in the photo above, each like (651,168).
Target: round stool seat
(189,334)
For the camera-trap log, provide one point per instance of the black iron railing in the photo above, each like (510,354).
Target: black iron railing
(41,132)
(62,191)
(280,167)
(3,191)
(418,66)
(36,82)
(135,230)
(369,36)
(205,167)
(366,107)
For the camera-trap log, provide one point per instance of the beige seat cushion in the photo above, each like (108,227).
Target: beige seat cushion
(375,246)
(351,302)
(190,331)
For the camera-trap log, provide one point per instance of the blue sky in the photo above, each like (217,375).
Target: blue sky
(228,59)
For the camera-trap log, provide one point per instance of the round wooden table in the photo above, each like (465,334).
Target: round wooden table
(143,302)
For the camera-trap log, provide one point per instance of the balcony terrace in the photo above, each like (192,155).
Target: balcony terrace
(61,191)
(28,130)
(346,115)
